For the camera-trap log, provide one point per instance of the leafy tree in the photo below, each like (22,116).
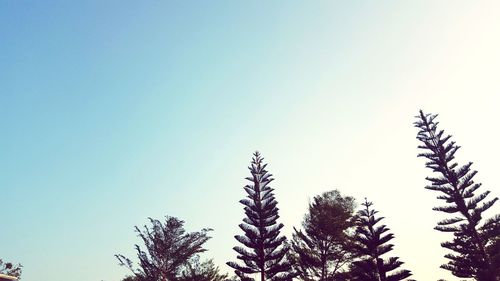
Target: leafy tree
(372,245)
(457,188)
(324,247)
(263,252)
(168,249)
(10,269)
(201,271)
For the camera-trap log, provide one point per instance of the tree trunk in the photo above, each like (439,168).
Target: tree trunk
(323,268)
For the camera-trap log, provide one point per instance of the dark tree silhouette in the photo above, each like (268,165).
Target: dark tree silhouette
(169,249)
(10,269)
(324,247)
(263,252)
(458,189)
(493,250)
(372,245)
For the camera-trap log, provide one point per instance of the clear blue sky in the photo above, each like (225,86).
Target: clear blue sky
(113,111)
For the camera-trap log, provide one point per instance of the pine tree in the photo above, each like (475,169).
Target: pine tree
(263,252)
(372,245)
(458,189)
(323,249)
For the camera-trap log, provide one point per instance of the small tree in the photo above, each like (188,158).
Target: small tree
(10,269)
(263,252)
(201,271)
(324,247)
(457,188)
(168,250)
(372,245)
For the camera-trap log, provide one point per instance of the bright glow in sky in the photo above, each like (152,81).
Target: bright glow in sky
(113,111)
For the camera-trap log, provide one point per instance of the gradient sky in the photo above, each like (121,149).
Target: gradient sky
(113,111)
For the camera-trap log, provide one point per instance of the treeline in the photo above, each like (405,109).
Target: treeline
(336,241)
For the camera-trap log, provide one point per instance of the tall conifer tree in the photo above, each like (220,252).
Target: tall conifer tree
(263,252)
(372,245)
(457,188)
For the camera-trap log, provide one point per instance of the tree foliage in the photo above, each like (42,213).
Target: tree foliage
(493,249)
(10,269)
(169,250)
(372,246)
(201,271)
(463,202)
(263,252)
(323,248)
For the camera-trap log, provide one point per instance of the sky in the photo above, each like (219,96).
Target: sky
(115,111)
